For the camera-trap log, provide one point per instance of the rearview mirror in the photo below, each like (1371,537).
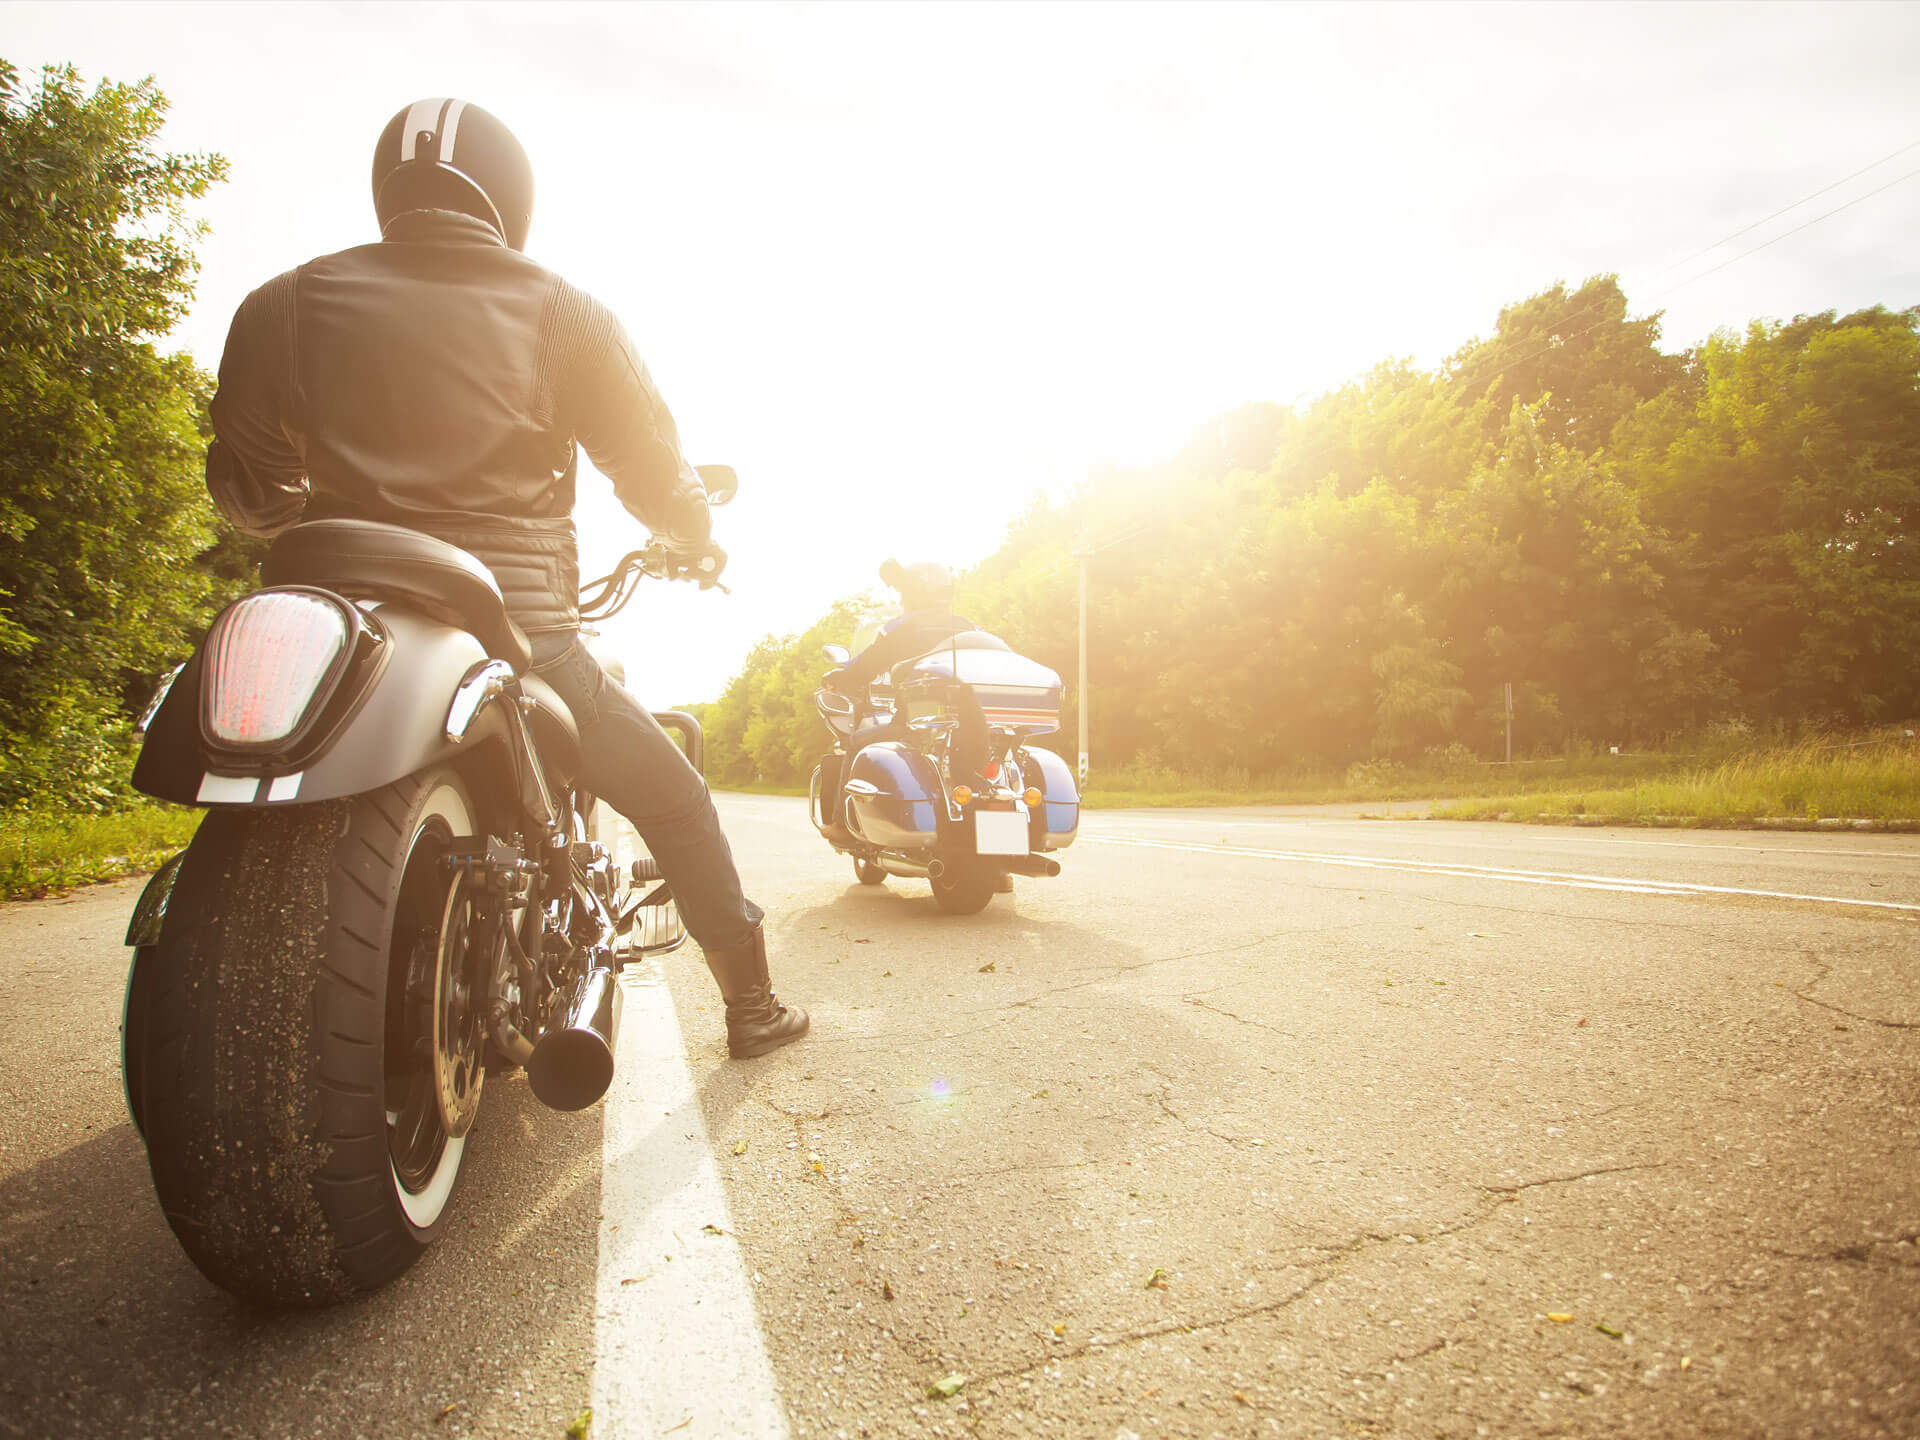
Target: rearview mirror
(722,484)
(836,653)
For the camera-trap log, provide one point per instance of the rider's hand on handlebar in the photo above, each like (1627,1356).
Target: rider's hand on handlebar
(702,563)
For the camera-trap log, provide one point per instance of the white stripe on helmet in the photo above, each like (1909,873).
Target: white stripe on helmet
(449,129)
(424,115)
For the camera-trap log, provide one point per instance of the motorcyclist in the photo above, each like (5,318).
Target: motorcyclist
(441,380)
(926,619)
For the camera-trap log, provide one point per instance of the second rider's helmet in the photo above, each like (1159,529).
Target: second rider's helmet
(445,154)
(926,586)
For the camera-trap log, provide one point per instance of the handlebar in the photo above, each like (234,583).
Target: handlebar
(608,596)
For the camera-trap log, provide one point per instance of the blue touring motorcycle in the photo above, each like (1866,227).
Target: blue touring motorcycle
(905,808)
(399,887)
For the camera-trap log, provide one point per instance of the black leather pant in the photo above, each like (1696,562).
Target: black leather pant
(631,763)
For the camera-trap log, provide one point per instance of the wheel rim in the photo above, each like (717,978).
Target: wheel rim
(433,1059)
(458,1028)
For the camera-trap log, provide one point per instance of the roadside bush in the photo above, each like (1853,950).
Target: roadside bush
(78,762)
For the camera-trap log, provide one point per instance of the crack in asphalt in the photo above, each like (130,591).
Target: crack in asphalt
(1825,967)
(1116,971)
(1392,1360)
(1159,1328)
(1855,1015)
(1036,1168)
(1569,1179)
(1495,1197)
(1198,1003)
(1860,1254)
(1166,1107)
(1483,1210)
(1589,1116)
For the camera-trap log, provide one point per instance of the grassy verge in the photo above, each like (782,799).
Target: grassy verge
(1730,783)
(1805,784)
(44,856)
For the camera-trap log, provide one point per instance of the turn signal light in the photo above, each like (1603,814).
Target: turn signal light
(1032,797)
(961,795)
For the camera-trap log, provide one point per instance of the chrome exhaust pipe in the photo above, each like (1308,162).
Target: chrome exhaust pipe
(1039,866)
(507,1039)
(572,1065)
(912,869)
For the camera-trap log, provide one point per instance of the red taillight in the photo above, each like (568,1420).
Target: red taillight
(991,769)
(266,657)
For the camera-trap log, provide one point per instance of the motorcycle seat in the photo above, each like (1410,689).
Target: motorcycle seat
(372,560)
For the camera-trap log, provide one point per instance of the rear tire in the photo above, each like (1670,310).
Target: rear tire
(966,886)
(288,1101)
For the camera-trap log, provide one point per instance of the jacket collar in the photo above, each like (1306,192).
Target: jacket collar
(440,227)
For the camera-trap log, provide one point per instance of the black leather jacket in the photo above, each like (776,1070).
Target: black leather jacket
(902,638)
(440,380)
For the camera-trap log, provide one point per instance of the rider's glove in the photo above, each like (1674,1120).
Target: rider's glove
(702,562)
(707,566)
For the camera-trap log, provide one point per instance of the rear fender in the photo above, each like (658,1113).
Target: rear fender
(399,727)
(1056,819)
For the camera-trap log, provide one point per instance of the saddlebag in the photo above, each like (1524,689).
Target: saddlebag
(1056,819)
(894,797)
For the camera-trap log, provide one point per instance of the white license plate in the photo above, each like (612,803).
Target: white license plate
(999,832)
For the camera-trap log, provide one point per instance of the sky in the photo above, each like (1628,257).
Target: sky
(907,266)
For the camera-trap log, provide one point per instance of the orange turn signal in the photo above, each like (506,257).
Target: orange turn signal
(1032,797)
(961,795)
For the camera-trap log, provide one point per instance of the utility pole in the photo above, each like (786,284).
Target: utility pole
(1509,724)
(1080,696)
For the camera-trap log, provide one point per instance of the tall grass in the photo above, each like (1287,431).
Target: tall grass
(1724,778)
(1877,781)
(1439,774)
(42,856)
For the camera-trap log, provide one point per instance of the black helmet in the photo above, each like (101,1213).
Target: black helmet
(926,586)
(448,155)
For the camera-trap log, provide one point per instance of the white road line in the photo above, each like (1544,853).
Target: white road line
(1559,834)
(678,1349)
(1487,872)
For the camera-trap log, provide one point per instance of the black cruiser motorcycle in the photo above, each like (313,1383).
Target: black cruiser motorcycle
(910,807)
(397,889)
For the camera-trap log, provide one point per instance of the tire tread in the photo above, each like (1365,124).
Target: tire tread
(246,1139)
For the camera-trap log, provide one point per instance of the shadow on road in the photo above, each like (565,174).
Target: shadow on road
(109,1330)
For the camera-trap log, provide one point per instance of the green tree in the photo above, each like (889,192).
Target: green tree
(764,728)
(103,511)
(1576,358)
(1790,475)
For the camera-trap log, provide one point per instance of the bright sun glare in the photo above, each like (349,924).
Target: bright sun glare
(905,267)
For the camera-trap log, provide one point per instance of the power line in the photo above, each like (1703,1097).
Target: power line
(1745,229)
(1593,306)
(1561,340)
(1564,339)
(1784,234)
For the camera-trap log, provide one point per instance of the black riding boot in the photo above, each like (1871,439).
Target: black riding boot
(756,1020)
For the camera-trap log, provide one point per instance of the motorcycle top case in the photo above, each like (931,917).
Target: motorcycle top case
(1015,693)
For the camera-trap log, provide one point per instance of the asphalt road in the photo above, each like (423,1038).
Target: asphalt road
(1250,1123)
